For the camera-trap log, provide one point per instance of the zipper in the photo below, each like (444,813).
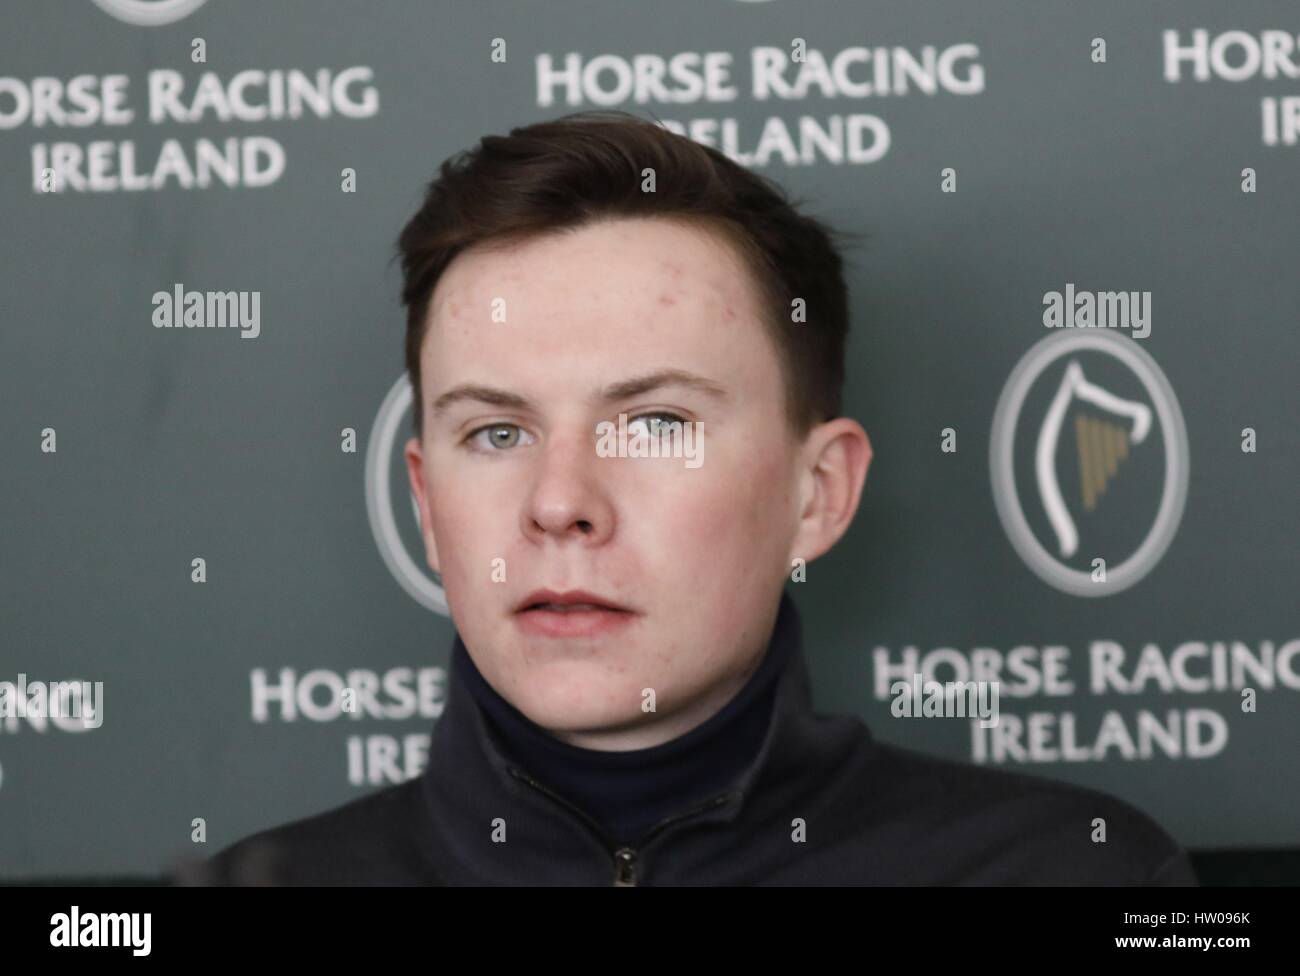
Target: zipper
(627,860)
(625,867)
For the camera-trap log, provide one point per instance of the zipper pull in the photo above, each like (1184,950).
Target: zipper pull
(624,868)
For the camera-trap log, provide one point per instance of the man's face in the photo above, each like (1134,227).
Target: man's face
(515,498)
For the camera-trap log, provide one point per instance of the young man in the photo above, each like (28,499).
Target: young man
(627,354)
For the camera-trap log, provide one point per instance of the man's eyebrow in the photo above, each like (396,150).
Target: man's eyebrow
(625,389)
(481,394)
(622,390)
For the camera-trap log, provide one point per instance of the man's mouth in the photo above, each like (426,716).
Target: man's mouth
(573,601)
(575,613)
(570,607)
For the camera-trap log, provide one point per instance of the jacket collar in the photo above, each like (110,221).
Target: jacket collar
(489,821)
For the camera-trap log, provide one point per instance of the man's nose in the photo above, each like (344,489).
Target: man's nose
(568,498)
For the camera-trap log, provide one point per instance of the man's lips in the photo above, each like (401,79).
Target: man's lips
(570,607)
(570,601)
(575,613)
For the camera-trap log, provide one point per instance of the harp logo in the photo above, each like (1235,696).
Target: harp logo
(1089,462)
(390,503)
(149,13)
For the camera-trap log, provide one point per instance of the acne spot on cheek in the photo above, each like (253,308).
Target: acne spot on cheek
(667,300)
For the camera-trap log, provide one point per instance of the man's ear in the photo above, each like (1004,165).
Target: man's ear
(415,471)
(832,469)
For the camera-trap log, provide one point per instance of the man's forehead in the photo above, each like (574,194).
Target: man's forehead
(654,263)
(570,314)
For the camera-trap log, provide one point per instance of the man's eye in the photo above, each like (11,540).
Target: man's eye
(496,436)
(653,424)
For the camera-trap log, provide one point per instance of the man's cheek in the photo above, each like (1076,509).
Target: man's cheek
(753,528)
(456,536)
(717,524)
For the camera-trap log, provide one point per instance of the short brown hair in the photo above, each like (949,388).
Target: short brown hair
(588,166)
